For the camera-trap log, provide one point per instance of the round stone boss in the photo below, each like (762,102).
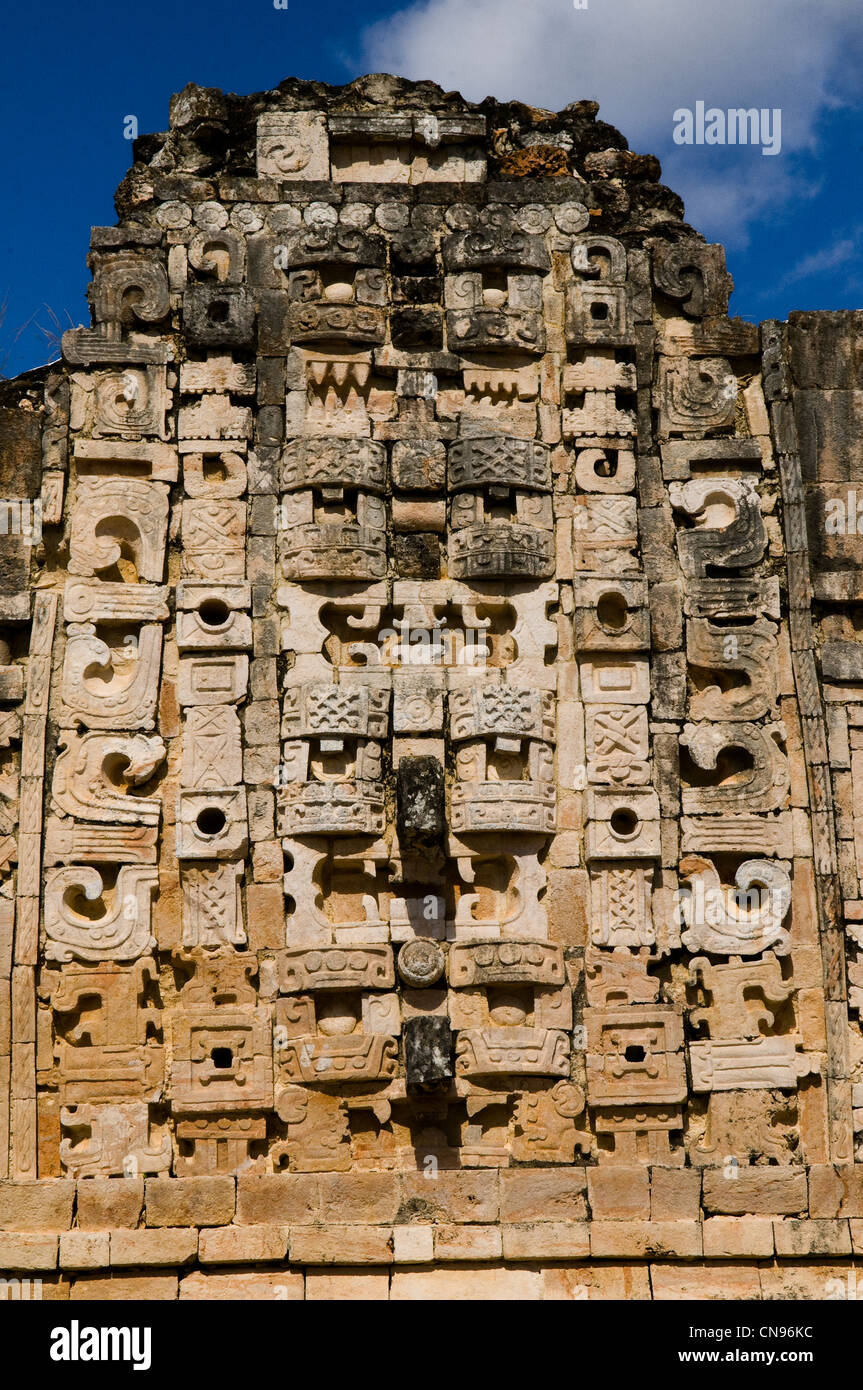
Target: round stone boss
(420,963)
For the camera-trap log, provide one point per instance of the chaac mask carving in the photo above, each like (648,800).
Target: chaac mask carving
(422,677)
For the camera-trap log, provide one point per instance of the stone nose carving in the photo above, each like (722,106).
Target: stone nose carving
(75,930)
(105,686)
(740,921)
(746,770)
(95,773)
(728,530)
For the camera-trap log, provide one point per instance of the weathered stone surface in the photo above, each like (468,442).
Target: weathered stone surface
(420,791)
(43,1206)
(431,858)
(190,1202)
(761,1191)
(103,1203)
(227,1245)
(428,1052)
(242,1286)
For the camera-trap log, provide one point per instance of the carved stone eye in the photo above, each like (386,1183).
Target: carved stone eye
(214,612)
(624,822)
(211,820)
(612,612)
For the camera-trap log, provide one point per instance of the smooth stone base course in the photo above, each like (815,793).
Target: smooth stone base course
(780,1280)
(522,1233)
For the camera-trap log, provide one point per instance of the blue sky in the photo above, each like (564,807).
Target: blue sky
(792,223)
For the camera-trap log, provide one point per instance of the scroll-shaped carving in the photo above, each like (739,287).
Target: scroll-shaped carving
(95,772)
(218,374)
(740,921)
(605,470)
(130,403)
(696,394)
(506,962)
(105,686)
(221,254)
(695,274)
(117,521)
(120,933)
(337,245)
(599,258)
(127,287)
(729,530)
(354,968)
(470,330)
(733,1012)
(751,1124)
(292,145)
(596,302)
(751,650)
(106,1141)
(317,1123)
(317,319)
(512,1051)
(503,247)
(751,773)
(544,1124)
(729,1064)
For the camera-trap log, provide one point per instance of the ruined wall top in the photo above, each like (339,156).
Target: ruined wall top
(214,136)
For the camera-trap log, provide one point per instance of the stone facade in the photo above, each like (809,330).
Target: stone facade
(432,713)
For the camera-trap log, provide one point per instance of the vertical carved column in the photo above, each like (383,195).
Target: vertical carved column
(23,1110)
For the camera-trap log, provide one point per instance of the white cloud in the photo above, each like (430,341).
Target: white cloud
(642,59)
(839,253)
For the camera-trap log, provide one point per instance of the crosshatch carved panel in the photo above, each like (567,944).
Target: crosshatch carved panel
(432,731)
